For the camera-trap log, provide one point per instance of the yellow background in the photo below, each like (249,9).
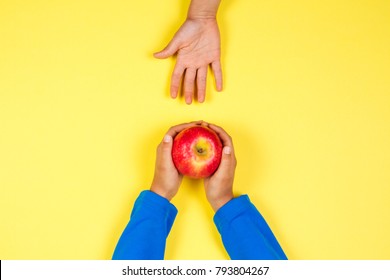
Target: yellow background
(83,105)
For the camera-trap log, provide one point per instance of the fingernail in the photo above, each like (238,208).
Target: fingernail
(227,150)
(167,138)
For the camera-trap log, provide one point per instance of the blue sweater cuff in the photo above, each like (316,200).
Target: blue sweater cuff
(155,205)
(231,210)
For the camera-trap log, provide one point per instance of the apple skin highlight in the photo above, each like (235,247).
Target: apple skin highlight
(197,152)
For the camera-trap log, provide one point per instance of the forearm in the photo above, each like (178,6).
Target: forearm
(145,235)
(203,9)
(245,233)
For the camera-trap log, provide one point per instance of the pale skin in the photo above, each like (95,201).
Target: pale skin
(218,187)
(197,46)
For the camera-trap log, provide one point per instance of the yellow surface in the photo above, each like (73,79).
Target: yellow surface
(83,105)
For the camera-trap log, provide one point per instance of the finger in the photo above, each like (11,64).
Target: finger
(174,130)
(225,138)
(204,123)
(189,83)
(164,161)
(166,147)
(217,70)
(168,51)
(176,79)
(201,80)
(227,159)
(227,165)
(166,143)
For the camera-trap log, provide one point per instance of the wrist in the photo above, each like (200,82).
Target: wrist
(218,203)
(205,25)
(161,192)
(203,9)
(201,16)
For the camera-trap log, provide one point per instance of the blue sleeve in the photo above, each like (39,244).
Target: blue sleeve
(245,234)
(145,235)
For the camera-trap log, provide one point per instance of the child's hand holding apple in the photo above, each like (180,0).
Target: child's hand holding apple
(197,150)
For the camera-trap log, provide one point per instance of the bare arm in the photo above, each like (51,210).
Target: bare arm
(204,9)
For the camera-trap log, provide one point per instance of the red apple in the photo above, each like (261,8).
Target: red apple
(197,152)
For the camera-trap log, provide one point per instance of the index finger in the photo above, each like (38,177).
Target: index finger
(174,130)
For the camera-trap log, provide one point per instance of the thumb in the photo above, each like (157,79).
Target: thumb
(168,51)
(164,151)
(167,146)
(227,157)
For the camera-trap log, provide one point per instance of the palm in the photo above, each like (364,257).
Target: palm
(201,44)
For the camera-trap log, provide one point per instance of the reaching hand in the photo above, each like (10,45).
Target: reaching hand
(167,179)
(197,45)
(219,186)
